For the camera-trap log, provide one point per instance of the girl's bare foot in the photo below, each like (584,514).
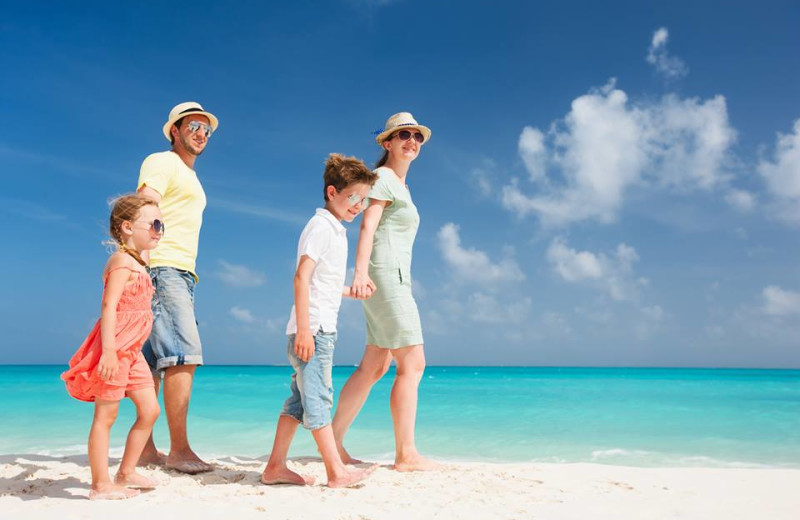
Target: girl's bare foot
(111,491)
(283,475)
(416,462)
(135,481)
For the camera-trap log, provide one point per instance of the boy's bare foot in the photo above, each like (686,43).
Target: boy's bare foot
(135,481)
(156,458)
(187,462)
(283,475)
(111,491)
(416,462)
(350,478)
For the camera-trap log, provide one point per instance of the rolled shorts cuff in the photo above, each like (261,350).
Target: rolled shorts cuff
(311,427)
(176,361)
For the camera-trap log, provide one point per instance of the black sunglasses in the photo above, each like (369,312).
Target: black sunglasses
(405,135)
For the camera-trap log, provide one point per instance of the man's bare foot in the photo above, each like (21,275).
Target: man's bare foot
(111,491)
(352,477)
(155,458)
(283,475)
(187,462)
(416,463)
(135,481)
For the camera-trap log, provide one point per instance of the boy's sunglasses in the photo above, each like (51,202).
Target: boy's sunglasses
(194,126)
(405,135)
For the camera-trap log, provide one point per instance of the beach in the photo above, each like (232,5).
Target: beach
(39,487)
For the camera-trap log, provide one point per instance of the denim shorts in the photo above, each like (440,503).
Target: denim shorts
(175,339)
(312,385)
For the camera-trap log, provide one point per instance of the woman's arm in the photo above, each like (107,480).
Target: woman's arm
(362,285)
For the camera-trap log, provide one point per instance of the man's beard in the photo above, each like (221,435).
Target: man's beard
(189,146)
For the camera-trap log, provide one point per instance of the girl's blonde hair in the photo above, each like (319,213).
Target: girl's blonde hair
(126,208)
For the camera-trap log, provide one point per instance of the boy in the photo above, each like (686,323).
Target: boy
(318,290)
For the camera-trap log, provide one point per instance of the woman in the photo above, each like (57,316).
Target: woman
(383,266)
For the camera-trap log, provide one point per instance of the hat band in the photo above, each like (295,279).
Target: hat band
(191,110)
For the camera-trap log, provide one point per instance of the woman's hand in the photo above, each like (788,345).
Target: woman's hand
(108,367)
(362,287)
(304,345)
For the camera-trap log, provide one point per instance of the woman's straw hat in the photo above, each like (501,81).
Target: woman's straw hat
(403,120)
(189,108)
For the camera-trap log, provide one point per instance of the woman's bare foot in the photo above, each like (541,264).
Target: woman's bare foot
(283,475)
(135,481)
(416,462)
(111,491)
(350,478)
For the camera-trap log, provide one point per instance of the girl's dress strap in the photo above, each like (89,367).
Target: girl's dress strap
(120,267)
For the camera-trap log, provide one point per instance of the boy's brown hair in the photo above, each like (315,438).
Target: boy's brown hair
(341,172)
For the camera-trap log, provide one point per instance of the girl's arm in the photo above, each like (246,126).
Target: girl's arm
(362,285)
(115,285)
(303,340)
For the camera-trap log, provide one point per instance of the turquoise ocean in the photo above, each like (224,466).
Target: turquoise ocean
(624,416)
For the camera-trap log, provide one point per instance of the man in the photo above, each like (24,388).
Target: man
(173,349)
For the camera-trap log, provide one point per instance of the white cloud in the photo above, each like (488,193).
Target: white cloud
(780,302)
(654,313)
(743,201)
(485,308)
(613,274)
(671,67)
(239,275)
(604,146)
(782,175)
(482,176)
(243,315)
(473,265)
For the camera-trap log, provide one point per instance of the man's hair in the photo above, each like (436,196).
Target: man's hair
(176,124)
(341,172)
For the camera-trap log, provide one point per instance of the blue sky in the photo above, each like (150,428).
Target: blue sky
(613,184)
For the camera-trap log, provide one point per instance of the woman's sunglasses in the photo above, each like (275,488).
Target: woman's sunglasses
(405,135)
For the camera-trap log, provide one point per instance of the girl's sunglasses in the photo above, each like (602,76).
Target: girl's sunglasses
(157,226)
(405,135)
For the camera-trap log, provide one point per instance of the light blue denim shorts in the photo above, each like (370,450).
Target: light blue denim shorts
(175,339)
(312,384)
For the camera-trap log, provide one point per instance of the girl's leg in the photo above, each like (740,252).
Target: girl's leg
(410,367)
(354,394)
(147,411)
(105,413)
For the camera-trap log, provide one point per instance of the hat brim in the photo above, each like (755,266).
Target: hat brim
(381,137)
(212,119)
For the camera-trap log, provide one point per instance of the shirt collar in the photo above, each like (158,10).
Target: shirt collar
(327,215)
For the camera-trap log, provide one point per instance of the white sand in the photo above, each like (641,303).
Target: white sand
(35,487)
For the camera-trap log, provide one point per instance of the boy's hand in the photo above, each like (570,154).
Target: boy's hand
(108,367)
(350,292)
(363,286)
(304,345)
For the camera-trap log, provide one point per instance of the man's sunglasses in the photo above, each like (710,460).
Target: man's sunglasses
(194,126)
(405,135)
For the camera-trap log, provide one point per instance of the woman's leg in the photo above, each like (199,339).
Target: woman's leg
(147,411)
(354,394)
(410,367)
(105,413)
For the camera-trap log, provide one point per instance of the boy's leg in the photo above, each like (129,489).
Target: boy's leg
(105,413)
(147,411)
(373,366)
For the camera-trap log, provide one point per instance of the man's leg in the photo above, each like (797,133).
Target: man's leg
(177,392)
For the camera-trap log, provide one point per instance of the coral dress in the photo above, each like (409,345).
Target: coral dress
(134,321)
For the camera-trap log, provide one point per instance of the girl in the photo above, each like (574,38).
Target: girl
(383,264)
(109,365)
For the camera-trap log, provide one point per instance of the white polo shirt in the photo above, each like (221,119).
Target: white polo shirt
(324,240)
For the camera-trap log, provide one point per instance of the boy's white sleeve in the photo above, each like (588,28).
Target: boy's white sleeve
(314,241)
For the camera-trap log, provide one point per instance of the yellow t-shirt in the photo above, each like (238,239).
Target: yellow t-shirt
(182,203)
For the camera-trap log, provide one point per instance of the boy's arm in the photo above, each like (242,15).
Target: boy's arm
(303,340)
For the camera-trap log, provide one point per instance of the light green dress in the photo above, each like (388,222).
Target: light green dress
(392,315)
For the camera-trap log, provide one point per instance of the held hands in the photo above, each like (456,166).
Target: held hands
(108,367)
(304,345)
(362,287)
